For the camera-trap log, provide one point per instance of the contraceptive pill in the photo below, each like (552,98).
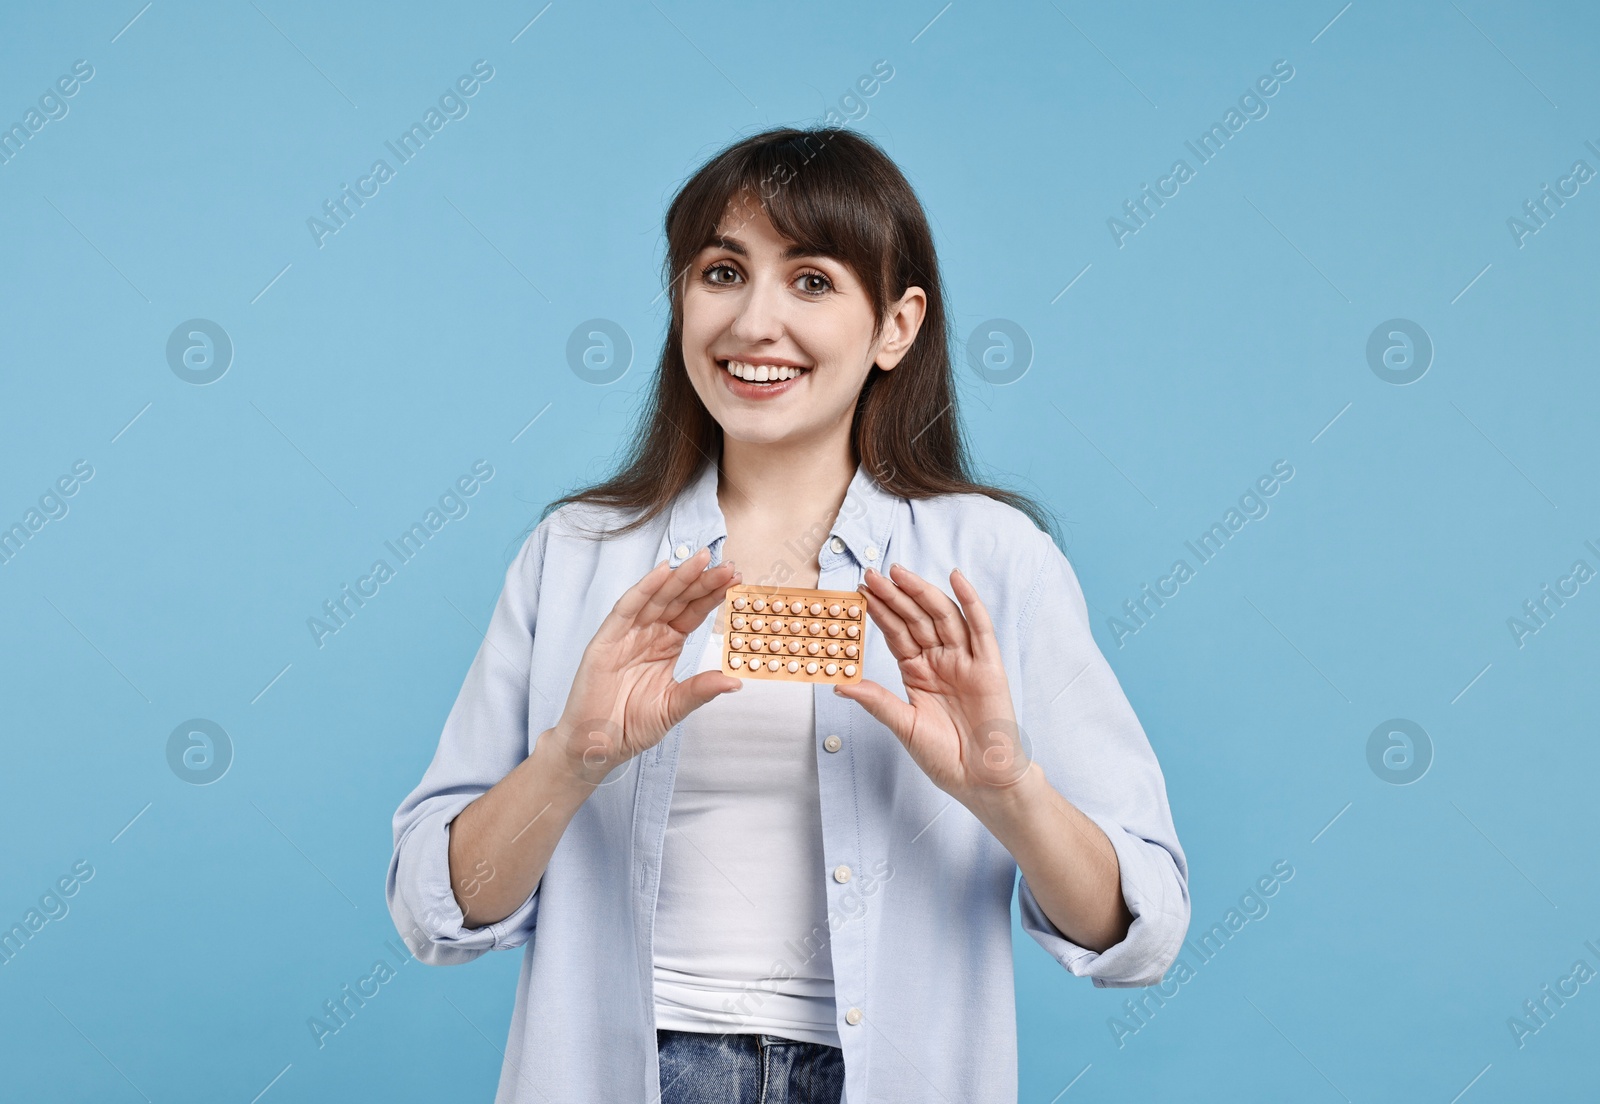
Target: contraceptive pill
(834,616)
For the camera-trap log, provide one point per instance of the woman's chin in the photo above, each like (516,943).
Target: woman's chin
(757,431)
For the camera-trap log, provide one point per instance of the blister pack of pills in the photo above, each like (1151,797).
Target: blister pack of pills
(793,634)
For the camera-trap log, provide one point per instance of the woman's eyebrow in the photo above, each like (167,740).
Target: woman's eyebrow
(792,252)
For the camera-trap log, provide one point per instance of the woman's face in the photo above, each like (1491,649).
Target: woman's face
(752,314)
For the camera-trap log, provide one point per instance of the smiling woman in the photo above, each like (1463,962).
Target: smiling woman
(791,236)
(685,854)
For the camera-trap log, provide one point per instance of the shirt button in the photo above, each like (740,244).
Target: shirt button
(872,551)
(833,743)
(841,873)
(682,551)
(853,1016)
(836,544)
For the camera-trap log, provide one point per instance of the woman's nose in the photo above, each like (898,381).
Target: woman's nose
(760,316)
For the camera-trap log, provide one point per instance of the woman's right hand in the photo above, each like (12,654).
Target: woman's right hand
(624,696)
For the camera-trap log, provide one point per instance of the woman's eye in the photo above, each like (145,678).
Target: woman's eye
(722,274)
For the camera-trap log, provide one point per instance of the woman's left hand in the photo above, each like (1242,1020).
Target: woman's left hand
(959,725)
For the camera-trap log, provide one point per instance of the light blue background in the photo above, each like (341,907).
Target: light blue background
(1227,334)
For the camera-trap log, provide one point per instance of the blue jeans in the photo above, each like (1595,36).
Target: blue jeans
(746,1068)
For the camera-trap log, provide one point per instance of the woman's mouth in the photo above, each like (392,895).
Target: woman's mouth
(759,381)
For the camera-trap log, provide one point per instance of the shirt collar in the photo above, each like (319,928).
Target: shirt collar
(861,529)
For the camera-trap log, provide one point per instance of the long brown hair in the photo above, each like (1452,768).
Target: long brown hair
(836,193)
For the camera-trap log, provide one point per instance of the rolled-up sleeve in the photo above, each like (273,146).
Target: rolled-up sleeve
(1095,752)
(485,736)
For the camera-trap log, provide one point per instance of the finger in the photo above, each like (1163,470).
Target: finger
(946,616)
(687,696)
(895,715)
(713,581)
(984,644)
(634,598)
(689,617)
(916,621)
(682,575)
(902,645)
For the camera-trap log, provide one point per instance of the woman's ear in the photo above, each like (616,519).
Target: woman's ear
(900,327)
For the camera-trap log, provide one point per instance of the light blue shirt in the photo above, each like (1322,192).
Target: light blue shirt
(921,926)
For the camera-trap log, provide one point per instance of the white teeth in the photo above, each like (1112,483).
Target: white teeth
(762,373)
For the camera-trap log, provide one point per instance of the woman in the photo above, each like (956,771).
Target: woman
(743,890)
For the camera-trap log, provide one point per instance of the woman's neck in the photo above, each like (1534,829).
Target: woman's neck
(765,484)
(771,497)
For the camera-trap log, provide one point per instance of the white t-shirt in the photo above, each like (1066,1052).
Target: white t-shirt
(741,927)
